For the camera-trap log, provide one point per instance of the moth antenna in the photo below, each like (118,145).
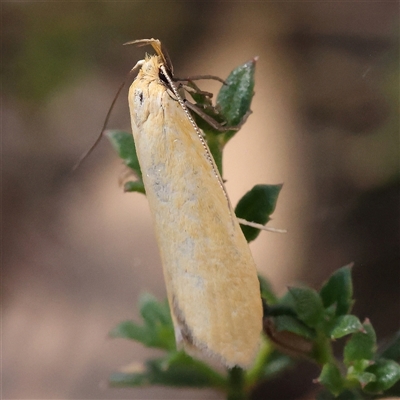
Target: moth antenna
(97,141)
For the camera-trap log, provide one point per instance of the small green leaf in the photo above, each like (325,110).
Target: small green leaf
(276,363)
(331,378)
(235,97)
(175,369)
(124,145)
(256,206)
(293,325)
(162,337)
(266,290)
(287,300)
(129,330)
(345,325)
(387,373)
(134,186)
(339,290)
(364,378)
(330,314)
(361,346)
(391,349)
(157,330)
(153,311)
(308,305)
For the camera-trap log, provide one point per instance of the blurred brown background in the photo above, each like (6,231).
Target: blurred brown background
(77,252)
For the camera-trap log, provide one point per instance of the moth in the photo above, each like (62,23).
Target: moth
(210,275)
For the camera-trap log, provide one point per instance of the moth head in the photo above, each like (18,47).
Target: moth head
(160,51)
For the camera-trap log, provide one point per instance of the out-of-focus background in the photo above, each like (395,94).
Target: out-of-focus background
(77,251)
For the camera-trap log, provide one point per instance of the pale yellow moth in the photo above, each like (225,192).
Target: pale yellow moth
(210,274)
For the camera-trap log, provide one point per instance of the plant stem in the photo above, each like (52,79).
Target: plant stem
(236,384)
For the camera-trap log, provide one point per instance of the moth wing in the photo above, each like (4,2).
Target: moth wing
(210,275)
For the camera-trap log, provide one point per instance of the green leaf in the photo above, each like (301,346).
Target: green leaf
(153,311)
(129,330)
(339,290)
(175,369)
(287,300)
(364,378)
(331,378)
(235,97)
(361,346)
(308,305)
(391,349)
(358,366)
(256,206)
(387,373)
(344,325)
(276,363)
(134,186)
(266,290)
(124,145)
(291,324)
(157,330)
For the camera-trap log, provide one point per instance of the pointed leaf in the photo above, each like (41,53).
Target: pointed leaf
(345,325)
(276,363)
(176,369)
(157,330)
(364,378)
(272,364)
(130,330)
(293,325)
(361,346)
(339,290)
(256,206)
(161,337)
(308,306)
(153,311)
(124,145)
(387,373)
(331,378)
(235,97)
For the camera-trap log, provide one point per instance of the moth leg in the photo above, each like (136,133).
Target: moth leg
(199,77)
(196,90)
(212,122)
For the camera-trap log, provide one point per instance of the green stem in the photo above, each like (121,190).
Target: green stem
(236,384)
(259,363)
(323,352)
